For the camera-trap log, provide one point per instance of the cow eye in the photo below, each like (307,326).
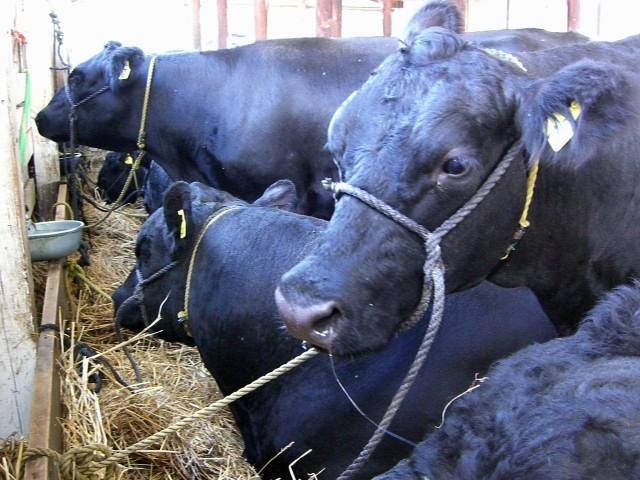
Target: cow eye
(456,165)
(75,79)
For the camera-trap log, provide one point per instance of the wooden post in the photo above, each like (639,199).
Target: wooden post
(386,17)
(197,34)
(463,8)
(260,19)
(573,15)
(328,18)
(44,81)
(223,28)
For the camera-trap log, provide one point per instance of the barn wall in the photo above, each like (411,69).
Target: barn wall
(21,21)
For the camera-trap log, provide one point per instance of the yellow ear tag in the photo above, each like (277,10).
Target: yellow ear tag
(126,70)
(128,160)
(183,224)
(559,130)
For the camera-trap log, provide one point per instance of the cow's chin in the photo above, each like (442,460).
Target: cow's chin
(352,342)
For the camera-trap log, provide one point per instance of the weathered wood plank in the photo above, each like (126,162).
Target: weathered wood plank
(45,430)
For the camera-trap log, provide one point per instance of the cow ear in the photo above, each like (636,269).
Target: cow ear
(572,113)
(206,194)
(438,13)
(125,66)
(177,204)
(282,194)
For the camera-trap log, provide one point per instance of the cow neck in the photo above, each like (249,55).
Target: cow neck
(183,316)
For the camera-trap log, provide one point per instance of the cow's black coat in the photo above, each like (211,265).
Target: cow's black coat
(566,409)
(236,327)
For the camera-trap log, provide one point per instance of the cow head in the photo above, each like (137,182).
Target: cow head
(166,239)
(121,71)
(422,134)
(113,176)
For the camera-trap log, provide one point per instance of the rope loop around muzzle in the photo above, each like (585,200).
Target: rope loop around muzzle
(433,265)
(432,248)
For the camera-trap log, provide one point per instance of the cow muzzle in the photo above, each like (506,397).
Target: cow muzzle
(315,323)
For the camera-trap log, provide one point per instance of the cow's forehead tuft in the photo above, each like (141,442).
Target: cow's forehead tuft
(432,44)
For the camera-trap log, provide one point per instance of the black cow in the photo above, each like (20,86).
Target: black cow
(425,131)
(237,119)
(235,325)
(565,409)
(114,173)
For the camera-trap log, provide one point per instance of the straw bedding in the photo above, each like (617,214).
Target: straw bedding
(176,383)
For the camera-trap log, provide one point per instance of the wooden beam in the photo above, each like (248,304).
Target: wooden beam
(17,306)
(45,429)
(260,19)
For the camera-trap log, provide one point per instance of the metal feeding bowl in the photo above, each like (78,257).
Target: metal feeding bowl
(53,240)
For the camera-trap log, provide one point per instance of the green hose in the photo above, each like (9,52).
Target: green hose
(22,141)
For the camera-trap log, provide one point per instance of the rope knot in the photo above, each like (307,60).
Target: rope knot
(78,463)
(141,141)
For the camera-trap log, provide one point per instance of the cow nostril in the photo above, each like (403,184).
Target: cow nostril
(323,326)
(314,323)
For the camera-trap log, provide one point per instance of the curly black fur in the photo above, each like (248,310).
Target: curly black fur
(565,409)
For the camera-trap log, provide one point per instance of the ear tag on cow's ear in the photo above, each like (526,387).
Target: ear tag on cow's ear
(559,130)
(126,71)
(183,224)
(128,160)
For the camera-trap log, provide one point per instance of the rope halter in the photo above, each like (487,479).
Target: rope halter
(138,296)
(433,266)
